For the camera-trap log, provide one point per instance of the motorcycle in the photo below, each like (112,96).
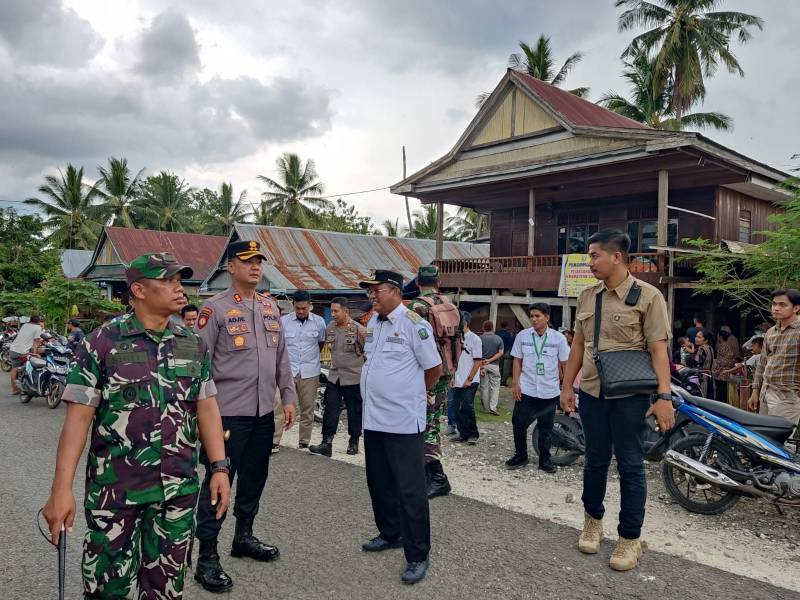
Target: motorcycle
(568,442)
(46,375)
(739,454)
(6,339)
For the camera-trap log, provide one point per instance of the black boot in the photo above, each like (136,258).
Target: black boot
(438,485)
(325,447)
(246,544)
(208,572)
(352,446)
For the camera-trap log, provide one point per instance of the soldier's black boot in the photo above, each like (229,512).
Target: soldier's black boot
(325,447)
(438,485)
(208,571)
(246,544)
(352,447)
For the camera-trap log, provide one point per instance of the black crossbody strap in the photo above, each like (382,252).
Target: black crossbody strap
(598,313)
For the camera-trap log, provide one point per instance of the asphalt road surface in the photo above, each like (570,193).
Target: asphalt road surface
(317,511)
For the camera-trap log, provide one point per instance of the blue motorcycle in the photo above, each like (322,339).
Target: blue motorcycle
(738,454)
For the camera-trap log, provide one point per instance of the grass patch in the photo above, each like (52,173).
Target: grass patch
(505,401)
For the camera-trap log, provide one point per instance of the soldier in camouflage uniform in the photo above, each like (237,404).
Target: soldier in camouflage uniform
(144,387)
(438,484)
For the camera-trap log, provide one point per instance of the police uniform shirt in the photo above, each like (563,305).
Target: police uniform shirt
(399,350)
(347,352)
(249,358)
(303,339)
(622,327)
(547,350)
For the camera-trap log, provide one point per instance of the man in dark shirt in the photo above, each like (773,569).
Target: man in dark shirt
(490,377)
(76,334)
(506,361)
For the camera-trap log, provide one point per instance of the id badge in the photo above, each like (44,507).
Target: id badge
(540,368)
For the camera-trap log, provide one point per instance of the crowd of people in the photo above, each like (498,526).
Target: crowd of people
(235,373)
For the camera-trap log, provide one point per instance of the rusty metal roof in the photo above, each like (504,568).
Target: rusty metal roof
(576,110)
(200,252)
(332,261)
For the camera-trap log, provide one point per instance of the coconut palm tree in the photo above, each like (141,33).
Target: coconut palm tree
(425,223)
(537,61)
(655,109)
(688,40)
(291,202)
(393,228)
(468,224)
(73,219)
(261,214)
(118,191)
(223,212)
(164,203)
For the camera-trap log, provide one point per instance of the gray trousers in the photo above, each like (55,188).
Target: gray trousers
(490,387)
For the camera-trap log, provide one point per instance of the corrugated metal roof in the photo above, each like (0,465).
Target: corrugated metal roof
(577,110)
(73,262)
(326,260)
(200,252)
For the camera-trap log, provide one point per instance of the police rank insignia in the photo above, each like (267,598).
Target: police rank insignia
(238,341)
(202,319)
(237,298)
(234,312)
(423,333)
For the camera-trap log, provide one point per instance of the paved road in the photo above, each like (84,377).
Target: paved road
(317,511)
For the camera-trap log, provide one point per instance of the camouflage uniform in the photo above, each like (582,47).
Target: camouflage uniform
(141,470)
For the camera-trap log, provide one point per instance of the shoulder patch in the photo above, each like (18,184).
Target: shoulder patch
(413,317)
(423,333)
(205,315)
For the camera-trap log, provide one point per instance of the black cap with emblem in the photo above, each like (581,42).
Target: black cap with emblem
(245,250)
(381,276)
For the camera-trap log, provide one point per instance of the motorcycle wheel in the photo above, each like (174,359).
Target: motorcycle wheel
(698,496)
(319,405)
(5,361)
(560,455)
(54,391)
(24,398)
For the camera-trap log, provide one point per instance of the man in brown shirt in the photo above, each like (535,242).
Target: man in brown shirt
(345,338)
(617,424)
(776,385)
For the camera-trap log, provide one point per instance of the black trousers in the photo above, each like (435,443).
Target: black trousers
(396,480)
(464,400)
(248,447)
(335,395)
(526,411)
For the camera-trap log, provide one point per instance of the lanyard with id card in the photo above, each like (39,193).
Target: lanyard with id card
(539,352)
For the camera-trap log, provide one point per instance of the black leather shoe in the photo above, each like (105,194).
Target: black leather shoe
(415,571)
(438,485)
(352,447)
(302,446)
(378,544)
(516,462)
(208,572)
(246,544)
(324,448)
(548,467)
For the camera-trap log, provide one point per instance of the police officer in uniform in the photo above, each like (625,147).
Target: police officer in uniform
(250,362)
(144,387)
(345,338)
(402,364)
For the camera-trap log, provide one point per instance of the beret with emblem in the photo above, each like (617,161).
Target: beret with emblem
(245,250)
(381,276)
(162,265)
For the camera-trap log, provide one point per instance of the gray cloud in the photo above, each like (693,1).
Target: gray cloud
(46,32)
(168,48)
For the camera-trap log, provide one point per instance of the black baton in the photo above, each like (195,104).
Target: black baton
(62,561)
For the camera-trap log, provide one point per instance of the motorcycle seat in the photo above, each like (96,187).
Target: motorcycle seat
(37,363)
(777,428)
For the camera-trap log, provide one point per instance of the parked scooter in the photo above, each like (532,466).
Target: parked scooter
(6,339)
(46,375)
(739,454)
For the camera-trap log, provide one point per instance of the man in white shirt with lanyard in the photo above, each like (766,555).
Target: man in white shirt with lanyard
(402,364)
(540,353)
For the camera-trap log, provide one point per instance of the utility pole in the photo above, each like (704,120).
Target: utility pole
(408,210)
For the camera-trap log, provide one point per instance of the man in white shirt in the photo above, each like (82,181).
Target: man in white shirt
(305,336)
(465,383)
(540,354)
(402,364)
(27,340)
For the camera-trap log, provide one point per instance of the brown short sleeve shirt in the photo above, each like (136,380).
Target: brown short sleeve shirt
(347,352)
(622,327)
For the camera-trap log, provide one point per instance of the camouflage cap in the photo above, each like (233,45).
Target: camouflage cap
(428,274)
(156,266)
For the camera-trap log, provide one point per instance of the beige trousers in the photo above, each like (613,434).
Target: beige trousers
(306,400)
(780,403)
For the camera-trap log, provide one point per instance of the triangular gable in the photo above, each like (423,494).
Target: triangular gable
(514,115)
(107,254)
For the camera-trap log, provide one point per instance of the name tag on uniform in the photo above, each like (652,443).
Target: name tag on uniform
(395,339)
(369,335)
(539,368)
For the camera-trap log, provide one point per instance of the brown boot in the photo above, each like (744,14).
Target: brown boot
(591,536)
(626,555)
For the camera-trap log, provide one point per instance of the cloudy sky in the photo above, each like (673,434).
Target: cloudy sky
(216,91)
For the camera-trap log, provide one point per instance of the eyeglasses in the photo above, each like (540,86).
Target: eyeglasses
(375,291)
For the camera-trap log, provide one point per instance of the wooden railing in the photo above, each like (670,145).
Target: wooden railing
(638,263)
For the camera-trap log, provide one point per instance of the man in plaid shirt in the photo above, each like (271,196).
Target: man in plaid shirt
(776,385)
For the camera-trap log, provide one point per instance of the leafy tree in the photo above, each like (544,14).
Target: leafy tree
(118,190)
(340,216)
(468,224)
(689,43)
(290,202)
(57,295)
(393,228)
(165,204)
(537,61)
(24,261)
(425,224)
(223,212)
(73,218)
(261,214)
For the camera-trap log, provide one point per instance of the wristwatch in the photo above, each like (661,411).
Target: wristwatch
(221,466)
(664,396)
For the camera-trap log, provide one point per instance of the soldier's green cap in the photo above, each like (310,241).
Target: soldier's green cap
(156,266)
(428,274)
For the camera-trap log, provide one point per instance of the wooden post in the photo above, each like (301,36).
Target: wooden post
(531,220)
(671,288)
(493,308)
(566,314)
(439,230)
(663,200)
(408,210)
